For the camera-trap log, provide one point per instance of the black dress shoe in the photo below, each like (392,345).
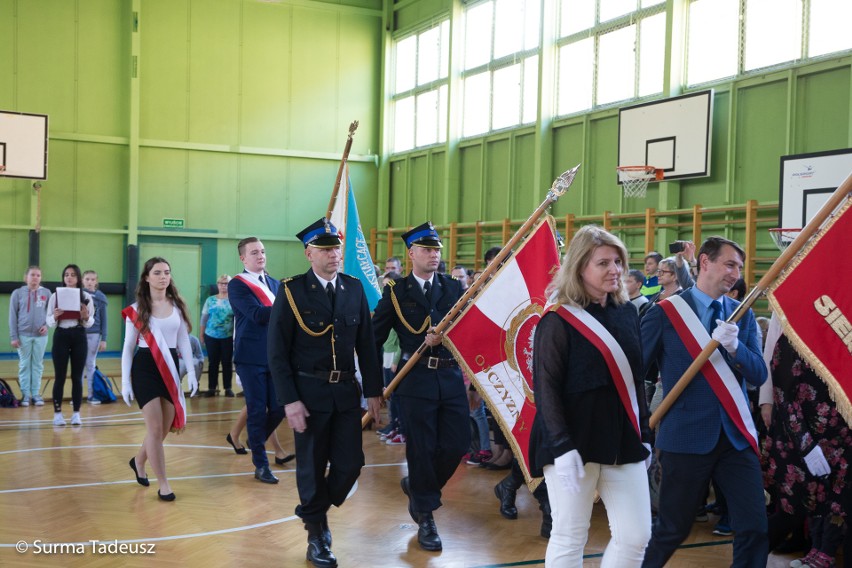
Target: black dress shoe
(406,488)
(169,497)
(263,474)
(285,459)
(506,495)
(427,534)
(140,480)
(241,451)
(229,393)
(326,532)
(319,554)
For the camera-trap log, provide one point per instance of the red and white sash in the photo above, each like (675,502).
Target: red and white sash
(264,294)
(165,364)
(716,371)
(613,354)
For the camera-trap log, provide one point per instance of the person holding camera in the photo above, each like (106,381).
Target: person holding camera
(685,262)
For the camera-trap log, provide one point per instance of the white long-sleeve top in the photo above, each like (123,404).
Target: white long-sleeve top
(51,321)
(174,332)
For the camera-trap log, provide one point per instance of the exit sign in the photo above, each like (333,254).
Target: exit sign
(173,223)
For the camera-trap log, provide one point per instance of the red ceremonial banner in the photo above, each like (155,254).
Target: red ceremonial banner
(813,300)
(493,339)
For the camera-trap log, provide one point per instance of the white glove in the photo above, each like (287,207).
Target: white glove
(650,455)
(726,334)
(192,383)
(237,380)
(126,390)
(569,468)
(816,462)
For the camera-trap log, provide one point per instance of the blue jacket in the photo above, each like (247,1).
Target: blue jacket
(251,322)
(693,423)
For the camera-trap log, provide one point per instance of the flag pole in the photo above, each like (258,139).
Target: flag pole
(352,127)
(759,289)
(559,187)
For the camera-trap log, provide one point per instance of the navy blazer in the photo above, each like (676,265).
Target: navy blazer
(693,423)
(251,321)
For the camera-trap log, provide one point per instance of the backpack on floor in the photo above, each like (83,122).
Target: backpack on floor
(7,397)
(102,387)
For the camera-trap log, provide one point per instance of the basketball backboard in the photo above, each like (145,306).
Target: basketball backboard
(807,181)
(23,145)
(673,134)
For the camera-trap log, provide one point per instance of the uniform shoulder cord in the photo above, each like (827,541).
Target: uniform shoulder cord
(426,323)
(308,330)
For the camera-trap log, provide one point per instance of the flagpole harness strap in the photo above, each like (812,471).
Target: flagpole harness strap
(426,323)
(308,330)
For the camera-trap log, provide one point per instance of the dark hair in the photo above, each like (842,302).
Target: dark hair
(143,295)
(241,246)
(637,274)
(712,247)
(392,275)
(740,288)
(76,270)
(655,255)
(491,253)
(442,266)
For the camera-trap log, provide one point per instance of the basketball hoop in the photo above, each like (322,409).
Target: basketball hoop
(783,237)
(634,179)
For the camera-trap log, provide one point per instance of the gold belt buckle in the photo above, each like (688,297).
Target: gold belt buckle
(433,362)
(334,377)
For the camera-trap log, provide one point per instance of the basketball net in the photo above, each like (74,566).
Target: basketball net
(783,237)
(634,179)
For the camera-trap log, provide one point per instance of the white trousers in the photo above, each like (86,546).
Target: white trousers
(624,492)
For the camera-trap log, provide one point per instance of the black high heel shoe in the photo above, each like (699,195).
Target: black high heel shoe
(285,459)
(169,497)
(143,481)
(241,451)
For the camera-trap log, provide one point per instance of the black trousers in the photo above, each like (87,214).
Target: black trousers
(333,439)
(219,351)
(437,437)
(69,343)
(685,477)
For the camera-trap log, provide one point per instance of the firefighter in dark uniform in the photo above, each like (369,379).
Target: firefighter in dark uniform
(319,321)
(432,396)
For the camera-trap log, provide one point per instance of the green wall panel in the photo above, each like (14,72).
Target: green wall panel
(266,76)
(101,177)
(761,134)
(497,183)
(710,191)
(59,193)
(524,197)
(104,67)
(418,194)
(162,187)
(604,193)
(568,146)
(47,61)
(822,111)
(398,192)
(213,181)
(439,195)
(214,71)
(8,38)
(265,206)
(358,82)
(163,69)
(14,257)
(470,186)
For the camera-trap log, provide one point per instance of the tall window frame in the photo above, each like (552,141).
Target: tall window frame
(420,87)
(590,36)
(500,81)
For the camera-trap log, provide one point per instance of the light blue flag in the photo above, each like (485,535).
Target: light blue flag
(356,254)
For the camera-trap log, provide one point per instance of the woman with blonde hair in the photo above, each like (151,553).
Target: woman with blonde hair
(217,335)
(157,325)
(591,427)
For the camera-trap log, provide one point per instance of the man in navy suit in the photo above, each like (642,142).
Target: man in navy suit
(251,294)
(708,432)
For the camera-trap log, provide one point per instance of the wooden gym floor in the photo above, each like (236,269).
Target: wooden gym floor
(63,486)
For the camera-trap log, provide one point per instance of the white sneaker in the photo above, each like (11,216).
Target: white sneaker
(25,401)
(38,401)
(58,420)
(75,419)
(94,402)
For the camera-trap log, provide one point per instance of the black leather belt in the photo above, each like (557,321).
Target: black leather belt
(330,376)
(433,362)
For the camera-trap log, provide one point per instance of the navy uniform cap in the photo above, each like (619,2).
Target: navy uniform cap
(423,235)
(320,234)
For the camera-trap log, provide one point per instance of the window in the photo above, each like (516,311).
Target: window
(721,44)
(500,65)
(609,51)
(421,69)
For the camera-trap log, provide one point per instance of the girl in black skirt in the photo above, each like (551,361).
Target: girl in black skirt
(157,325)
